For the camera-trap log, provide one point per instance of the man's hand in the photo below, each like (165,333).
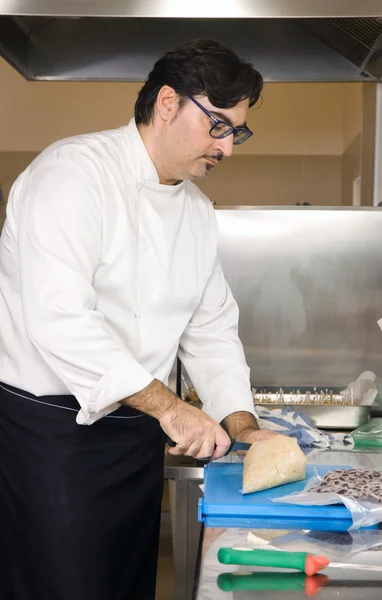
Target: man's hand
(194,433)
(255,435)
(243,427)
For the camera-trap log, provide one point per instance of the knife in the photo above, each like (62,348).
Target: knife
(267,581)
(301,561)
(233,447)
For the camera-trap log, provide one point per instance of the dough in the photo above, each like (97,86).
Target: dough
(272,462)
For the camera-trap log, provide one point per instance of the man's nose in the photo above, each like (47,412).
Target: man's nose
(225,145)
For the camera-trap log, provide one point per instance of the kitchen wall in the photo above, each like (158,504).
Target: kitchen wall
(296,151)
(11,164)
(350,169)
(294,119)
(368,130)
(306,144)
(275,180)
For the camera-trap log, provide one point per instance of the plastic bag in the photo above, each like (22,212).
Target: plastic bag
(363,390)
(337,546)
(363,512)
(272,462)
(369,434)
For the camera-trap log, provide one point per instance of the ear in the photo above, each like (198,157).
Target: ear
(167,103)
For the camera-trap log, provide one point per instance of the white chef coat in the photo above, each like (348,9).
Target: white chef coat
(105,274)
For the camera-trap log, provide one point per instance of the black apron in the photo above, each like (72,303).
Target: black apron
(79,505)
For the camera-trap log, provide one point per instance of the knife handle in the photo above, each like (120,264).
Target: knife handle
(233,442)
(266,582)
(302,561)
(171,443)
(239,581)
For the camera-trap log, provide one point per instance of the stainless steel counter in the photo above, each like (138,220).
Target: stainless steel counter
(185,476)
(331,583)
(282,584)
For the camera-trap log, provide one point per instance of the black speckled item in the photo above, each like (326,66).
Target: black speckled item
(361,484)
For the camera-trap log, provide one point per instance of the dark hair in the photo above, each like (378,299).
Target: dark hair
(201,67)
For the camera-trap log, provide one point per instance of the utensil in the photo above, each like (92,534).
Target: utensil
(301,561)
(270,581)
(234,446)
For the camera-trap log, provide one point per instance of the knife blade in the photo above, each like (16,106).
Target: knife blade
(350,566)
(235,446)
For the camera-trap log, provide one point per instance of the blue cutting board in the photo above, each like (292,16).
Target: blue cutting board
(223,505)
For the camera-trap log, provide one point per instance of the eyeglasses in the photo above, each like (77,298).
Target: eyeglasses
(221,129)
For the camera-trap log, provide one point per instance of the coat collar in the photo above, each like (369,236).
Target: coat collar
(145,169)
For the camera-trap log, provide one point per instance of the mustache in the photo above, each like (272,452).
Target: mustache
(218,157)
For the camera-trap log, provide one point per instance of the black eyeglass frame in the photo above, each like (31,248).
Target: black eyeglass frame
(245,132)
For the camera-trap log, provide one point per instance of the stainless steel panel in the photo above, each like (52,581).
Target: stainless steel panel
(308,283)
(358,40)
(118,49)
(196,8)
(185,476)
(331,417)
(182,467)
(119,40)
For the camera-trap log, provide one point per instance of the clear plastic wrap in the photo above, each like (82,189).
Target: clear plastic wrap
(363,390)
(363,512)
(336,546)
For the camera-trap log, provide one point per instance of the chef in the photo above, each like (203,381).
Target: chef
(108,271)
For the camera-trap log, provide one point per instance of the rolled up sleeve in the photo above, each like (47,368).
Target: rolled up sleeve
(60,247)
(212,352)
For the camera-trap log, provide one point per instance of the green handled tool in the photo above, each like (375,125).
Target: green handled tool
(265,582)
(301,561)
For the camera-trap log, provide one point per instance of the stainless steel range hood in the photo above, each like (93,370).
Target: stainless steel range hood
(119,40)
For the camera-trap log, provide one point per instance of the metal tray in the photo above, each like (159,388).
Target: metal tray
(326,416)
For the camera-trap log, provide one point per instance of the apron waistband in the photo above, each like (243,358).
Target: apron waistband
(68,402)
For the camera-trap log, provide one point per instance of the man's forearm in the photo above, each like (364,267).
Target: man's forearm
(155,400)
(238,422)
(193,432)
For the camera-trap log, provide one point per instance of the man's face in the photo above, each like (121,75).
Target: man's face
(194,151)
